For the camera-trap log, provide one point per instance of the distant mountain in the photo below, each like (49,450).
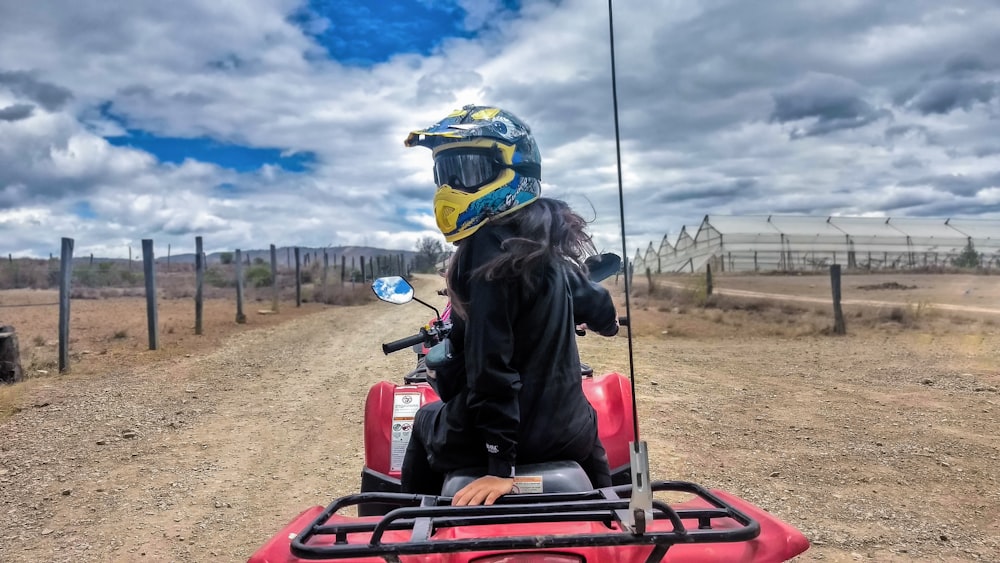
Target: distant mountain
(285,255)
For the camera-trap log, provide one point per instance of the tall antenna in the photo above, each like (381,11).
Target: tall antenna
(640,505)
(621,212)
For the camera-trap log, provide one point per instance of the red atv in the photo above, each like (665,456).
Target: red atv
(556,518)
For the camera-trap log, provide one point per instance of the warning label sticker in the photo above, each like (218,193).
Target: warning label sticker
(528,484)
(404,408)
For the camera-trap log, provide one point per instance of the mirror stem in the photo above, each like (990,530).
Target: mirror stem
(424,303)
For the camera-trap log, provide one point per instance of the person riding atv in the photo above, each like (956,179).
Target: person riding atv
(517,286)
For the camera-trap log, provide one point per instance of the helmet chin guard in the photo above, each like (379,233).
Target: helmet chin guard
(486,165)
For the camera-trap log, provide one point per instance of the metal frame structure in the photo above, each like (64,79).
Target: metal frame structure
(762,243)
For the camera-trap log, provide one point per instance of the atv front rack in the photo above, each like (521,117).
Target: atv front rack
(710,519)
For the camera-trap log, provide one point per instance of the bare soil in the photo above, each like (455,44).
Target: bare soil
(879,445)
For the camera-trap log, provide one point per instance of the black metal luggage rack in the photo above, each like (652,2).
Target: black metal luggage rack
(425,514)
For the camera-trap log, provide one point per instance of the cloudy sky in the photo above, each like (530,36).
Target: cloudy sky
(252,122)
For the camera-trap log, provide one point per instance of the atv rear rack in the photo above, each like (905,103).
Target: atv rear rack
(424,515)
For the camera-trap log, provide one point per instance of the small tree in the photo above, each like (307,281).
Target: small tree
(968,258)
(429,252)
(259,275)
(226,258)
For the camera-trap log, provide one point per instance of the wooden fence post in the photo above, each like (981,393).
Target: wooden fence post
(65,278)
(838,314)
(298,279)
(199,284)
(149,272)
(10,356)
(326,266)
(240,317)
(708,280)
(343,268)
(10,259)
(274,279)
(168,257)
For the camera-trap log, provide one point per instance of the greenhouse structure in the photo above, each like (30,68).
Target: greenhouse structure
(801,243)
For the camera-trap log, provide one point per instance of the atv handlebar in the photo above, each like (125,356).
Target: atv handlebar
(390,347)
(622,321)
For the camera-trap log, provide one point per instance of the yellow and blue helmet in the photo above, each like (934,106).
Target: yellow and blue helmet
(486,165)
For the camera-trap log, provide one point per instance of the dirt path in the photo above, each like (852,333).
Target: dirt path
(881,445)
(202,458)
(845,302)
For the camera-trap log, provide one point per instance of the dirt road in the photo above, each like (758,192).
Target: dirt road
(201,458)
(780,297)
(881,446)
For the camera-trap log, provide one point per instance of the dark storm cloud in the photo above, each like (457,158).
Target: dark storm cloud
(16,112)
(706,191)
(944,96)
(957,184)
(952,208)
(833,101)
(986,150)
(907,199)
(963,81)
(963,63)
(49,96)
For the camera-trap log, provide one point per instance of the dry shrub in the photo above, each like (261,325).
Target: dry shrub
(683,295)
(359,294)
(113,292)
(10,395)
(29,273)
(84,293)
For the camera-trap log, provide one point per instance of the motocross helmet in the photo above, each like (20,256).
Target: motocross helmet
(486,164)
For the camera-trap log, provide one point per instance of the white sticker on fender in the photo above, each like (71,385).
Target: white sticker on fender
(404,407)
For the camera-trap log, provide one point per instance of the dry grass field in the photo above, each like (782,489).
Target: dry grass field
(879,445)
(108,327)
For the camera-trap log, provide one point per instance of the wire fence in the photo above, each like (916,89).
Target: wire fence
(328,281)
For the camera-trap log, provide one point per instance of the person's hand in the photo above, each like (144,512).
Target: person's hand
(485,490)
(582,328)
(613,331)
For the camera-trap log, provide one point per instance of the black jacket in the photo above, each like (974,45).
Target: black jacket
(522,395)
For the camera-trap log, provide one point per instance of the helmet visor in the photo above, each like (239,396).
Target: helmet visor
(466,170)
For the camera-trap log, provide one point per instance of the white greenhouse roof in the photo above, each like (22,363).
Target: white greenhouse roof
(762,242)
(978,229)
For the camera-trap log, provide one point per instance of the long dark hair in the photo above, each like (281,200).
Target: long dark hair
(546,231)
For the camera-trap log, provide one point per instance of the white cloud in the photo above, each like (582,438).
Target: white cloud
(700,91)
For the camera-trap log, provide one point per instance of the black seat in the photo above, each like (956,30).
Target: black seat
(555,476)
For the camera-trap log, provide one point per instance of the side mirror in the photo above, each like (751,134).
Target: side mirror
(393,289)
(602,266)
